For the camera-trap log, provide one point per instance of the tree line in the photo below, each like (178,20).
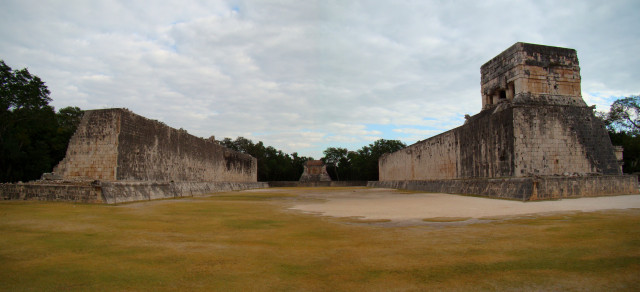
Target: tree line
(623,124)
(342,164)
(33,136)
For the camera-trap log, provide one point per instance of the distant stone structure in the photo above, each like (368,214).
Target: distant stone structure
(315,171)
(118,156)
(535,137)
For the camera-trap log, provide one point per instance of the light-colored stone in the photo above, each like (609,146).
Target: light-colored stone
(118,145)
(533,123)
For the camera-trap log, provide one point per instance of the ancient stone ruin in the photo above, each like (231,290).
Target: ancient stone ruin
(535,137)
(118,145)
(314,171)
(118,156)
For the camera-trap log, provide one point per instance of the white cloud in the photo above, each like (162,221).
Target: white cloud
(305,75)
(422,132)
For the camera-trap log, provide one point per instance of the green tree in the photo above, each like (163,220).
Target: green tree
(370,155)
(335,158)
(363,163)
(631,150)
(624,115)
(297,164)
(31,140)
(67,120)
(273,164)
(622,122)
(21,90)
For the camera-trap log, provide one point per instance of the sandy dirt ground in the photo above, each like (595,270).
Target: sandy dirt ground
(401,206)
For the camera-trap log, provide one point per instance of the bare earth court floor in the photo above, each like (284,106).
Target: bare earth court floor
(406,207)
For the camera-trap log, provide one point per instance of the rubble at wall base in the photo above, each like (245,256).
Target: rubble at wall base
(524,189)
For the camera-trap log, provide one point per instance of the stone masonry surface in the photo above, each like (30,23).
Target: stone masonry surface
(93,150)
(535,138)
(534,123)
(532,73)
(118,145)
(117,156)
(115,192)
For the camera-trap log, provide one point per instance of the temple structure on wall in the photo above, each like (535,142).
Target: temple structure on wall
(535,137)
(314,171)
(118,156)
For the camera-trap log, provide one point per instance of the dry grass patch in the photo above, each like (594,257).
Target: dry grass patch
(248,242)
(357,219)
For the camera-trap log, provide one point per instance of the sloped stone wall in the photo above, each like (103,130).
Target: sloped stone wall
(151,151)
(117,156)
(556,140)
(93,149)
(118,145)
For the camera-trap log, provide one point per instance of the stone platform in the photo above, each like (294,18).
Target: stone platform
(117,192)
(524,189)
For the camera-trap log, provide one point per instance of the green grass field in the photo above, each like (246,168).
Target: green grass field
(250,242)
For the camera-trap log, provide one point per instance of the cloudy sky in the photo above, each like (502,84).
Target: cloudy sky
(306,75)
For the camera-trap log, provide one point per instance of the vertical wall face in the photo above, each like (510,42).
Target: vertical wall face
(93,149)
(486,145)
(553,140)
(116,144)
(435,158)
(533,123)
(483,147)
(528,73)
(514,141)
(150,150)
